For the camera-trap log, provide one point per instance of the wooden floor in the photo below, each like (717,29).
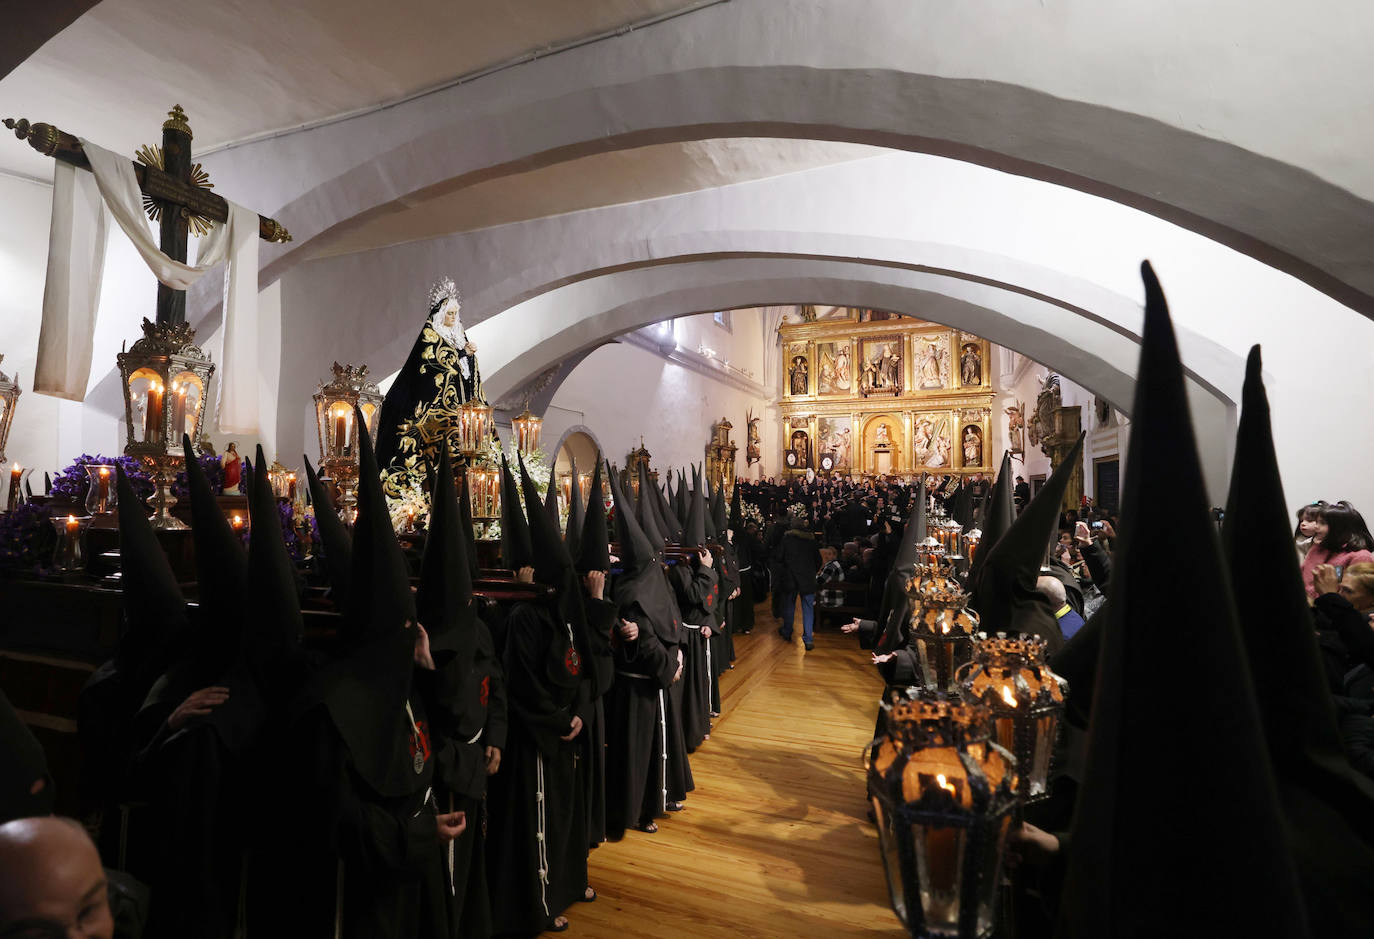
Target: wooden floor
(775,840)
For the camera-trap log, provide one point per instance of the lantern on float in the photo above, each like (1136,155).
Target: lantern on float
(334,403)
(943,797)
(942,626)
(1010,677)
(165,377)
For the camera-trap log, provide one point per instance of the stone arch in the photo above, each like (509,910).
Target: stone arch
(427,149)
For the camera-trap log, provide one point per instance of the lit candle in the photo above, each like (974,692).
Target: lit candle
(72,525)
(340,432)
(236,523)
(15,471)
(152,416)
(103,490)
(179,407)
(291,486)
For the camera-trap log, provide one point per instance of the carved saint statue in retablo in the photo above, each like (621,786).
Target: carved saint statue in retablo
(422,406)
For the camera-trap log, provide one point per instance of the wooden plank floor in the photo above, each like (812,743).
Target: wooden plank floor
(775,840)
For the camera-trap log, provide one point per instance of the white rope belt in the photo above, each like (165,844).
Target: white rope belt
(663,728)
(543,847)
(634,675)
(476,737)
(691,626)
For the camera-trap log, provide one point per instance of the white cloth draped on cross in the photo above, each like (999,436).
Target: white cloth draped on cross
(76,255)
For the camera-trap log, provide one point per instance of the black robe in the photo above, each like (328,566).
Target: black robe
(600,675)
(723,650)
(740,615)
(696,590)
(636,769)
(539,788)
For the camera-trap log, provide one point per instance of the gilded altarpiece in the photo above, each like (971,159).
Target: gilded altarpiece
(895,396)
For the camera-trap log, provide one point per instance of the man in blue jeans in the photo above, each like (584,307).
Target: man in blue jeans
(801,561)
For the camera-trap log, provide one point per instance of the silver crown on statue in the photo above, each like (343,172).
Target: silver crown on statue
(443,291)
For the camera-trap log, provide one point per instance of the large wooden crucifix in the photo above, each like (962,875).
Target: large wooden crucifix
(176,192)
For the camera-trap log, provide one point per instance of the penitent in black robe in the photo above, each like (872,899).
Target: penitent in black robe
(723,652)
(636,769)
(537,818)
(363,859)
(696,591)
(469,715)
(600,675)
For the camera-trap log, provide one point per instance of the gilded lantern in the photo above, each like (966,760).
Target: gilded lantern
(166,379)
(942,626)
(1010,677)
(943,796)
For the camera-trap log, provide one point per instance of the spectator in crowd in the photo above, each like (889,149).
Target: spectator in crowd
(1341,538)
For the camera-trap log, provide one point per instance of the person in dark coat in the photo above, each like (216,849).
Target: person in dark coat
(801,562)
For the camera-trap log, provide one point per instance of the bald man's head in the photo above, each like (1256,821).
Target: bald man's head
(51,881)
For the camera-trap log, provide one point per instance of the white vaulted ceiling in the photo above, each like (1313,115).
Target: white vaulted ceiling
(244,68)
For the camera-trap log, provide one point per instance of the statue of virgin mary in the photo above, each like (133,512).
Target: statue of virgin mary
(423,403)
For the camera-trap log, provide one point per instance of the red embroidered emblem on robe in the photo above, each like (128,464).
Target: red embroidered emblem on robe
(423,740)
(484,691)
(572,662)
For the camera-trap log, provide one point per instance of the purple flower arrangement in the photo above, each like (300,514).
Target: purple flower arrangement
(73,482)
(26,538)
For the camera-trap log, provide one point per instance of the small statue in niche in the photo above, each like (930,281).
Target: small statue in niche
(973,446)
(753,447)
(883,437)
(798,375)
(971,365)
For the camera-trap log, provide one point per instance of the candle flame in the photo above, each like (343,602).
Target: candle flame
(1008,697)
(238,521)
(104,471)
(946,784)
(71,519)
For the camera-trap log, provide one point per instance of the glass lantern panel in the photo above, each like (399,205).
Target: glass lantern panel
(369,415)
(990,876)
(147,399)
(184,400)
(892,863)
(1046,728)
(340,429)
(940,865)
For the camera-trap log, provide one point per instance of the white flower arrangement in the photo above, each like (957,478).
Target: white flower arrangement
(797,510)
(751,513)
(411,509)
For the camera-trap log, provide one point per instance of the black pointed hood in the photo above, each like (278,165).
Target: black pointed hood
(695,534)
(1005,597)
(577,514)
(551,558)
(963,505)
(154,608)
(718,516)
(554,566)
(516,550)
(894,614)
(551,503)
(642,583)
(381,601)
(646,515)
(682,505)
(367,689)
(702,482)
(335,540)
(667,517)
(274,605)
(1329,805)
(443,601)
(219,647)
(594,551)
(1141,828)
(998,514)
(24,763)
(221,576)
(468,530)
